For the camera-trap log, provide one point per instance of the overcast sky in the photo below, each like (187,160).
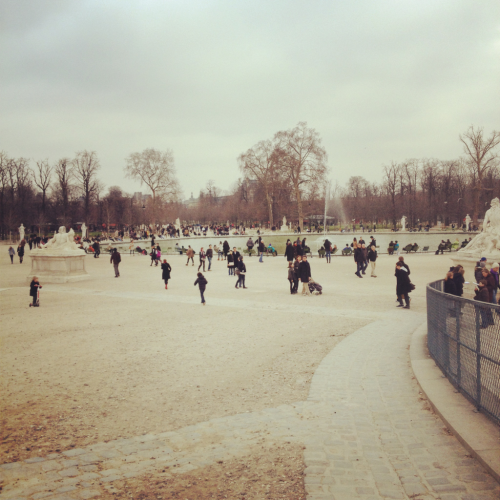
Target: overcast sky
(379,80)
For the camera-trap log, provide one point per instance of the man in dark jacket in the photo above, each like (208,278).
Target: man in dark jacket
(403,285)
(289,252)
(262,249)
(210,254)
(304,275)
(359,258)
(482,295)
(236,256)
(372,258)
(225,248)
(328,251)
(115,260)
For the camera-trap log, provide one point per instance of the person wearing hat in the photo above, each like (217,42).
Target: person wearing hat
(494,272)
(478,271)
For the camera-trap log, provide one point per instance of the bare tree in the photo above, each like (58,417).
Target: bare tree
(42,177)
(156,170)
(64,173)
(85,165)
(259,163)
(303,160)
(482,158)
(391,186)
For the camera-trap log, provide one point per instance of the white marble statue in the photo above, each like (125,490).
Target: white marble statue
(487,242)
(284,227)
(62,242)
(403,223)
(284,220)
(21,232)
(177,223)
(467,222)
(84,231)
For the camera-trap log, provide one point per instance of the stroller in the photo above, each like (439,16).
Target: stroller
(315,288)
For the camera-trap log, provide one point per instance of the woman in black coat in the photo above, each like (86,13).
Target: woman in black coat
(20,252)
(403,286)
(458,279)
(165,272)
(449,284)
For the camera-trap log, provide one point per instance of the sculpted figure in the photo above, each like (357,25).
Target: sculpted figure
(21,232)
(488,241)
(62,241)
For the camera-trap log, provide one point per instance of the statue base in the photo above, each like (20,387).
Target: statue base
(285,228)
(57,268)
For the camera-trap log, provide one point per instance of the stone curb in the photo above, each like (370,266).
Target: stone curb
(477,433)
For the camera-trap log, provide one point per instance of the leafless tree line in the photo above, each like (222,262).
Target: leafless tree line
(282,176)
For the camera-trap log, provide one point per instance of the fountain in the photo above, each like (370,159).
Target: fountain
(60,260)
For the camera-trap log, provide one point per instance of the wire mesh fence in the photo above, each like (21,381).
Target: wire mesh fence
(463,337)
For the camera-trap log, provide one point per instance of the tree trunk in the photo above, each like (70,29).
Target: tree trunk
(299,207)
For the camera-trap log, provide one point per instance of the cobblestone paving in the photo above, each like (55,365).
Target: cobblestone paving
(367,432)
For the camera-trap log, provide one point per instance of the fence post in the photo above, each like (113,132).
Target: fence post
(478,361)
(458,311)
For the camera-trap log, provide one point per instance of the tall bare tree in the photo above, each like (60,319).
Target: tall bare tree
(42,177)
(259,163)
(391,182)
(64,173)
(482,157)
(303,160)
(155,169)
(85,166)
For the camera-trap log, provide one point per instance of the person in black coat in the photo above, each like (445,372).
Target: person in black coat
(328,251)
(296,265)
(305,275)
(372,258)
(34,286)
(289,252)
(458,279)
(165,272)
(225,249)
(482,295)
(230,263)
(202,282)
(359,258)
(449,284)
(403,285)
(241,271)
(20,252)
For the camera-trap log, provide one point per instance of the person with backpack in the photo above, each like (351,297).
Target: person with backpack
(202,282)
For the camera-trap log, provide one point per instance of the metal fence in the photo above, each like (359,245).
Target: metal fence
(464,340)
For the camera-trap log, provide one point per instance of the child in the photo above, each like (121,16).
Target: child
(12,252)
(202,284)
(34,287)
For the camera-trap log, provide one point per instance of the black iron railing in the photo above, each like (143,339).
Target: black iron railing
(463,337)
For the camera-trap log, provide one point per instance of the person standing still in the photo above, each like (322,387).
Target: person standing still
(241,273)
(403,285)
(115,260)
(359,259)
(262,249)
(372,258)
(305,275)
(97,249)
(202,285)
(328,251)
(12,252)
(296,265)
(34,286)
(210,254)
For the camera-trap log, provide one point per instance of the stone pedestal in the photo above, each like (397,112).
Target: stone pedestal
(284,227)
(57,268)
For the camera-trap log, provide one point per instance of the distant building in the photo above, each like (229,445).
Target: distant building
(138,197)
(191,202)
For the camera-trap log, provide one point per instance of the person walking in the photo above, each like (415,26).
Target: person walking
(305,275)
(97,249)
(403,285)
(210,254)
(202,285)
(372,258)
(359,259)
(365,257)
(202,259)
(20,253)
(166,269)
(34,287)
(190,255)
(241,271)
(12,252)
(115,260)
